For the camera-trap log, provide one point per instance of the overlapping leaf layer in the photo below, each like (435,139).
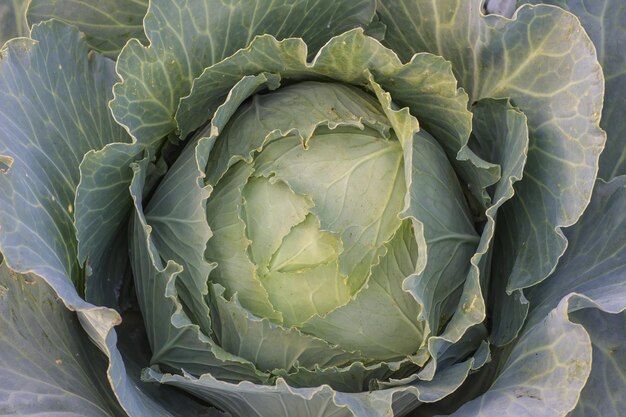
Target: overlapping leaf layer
(338,208)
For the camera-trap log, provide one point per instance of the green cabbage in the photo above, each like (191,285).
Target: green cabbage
(312,208)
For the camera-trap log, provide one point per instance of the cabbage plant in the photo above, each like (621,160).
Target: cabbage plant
(313,208)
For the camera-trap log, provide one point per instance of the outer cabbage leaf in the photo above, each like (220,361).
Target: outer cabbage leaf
(588,320)
(594,267)
(558,88)
(543,375)
(604,21)
(47,362)
(12,20)
(108,24)
(281,400)
(500,135)
(47,125)
(604,394)
(180,199)
(102,206)
(45,136)
(186,37)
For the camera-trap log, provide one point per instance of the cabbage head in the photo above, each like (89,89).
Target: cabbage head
(332,208)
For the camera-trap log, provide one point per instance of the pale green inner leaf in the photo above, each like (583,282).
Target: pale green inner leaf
(305,247)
